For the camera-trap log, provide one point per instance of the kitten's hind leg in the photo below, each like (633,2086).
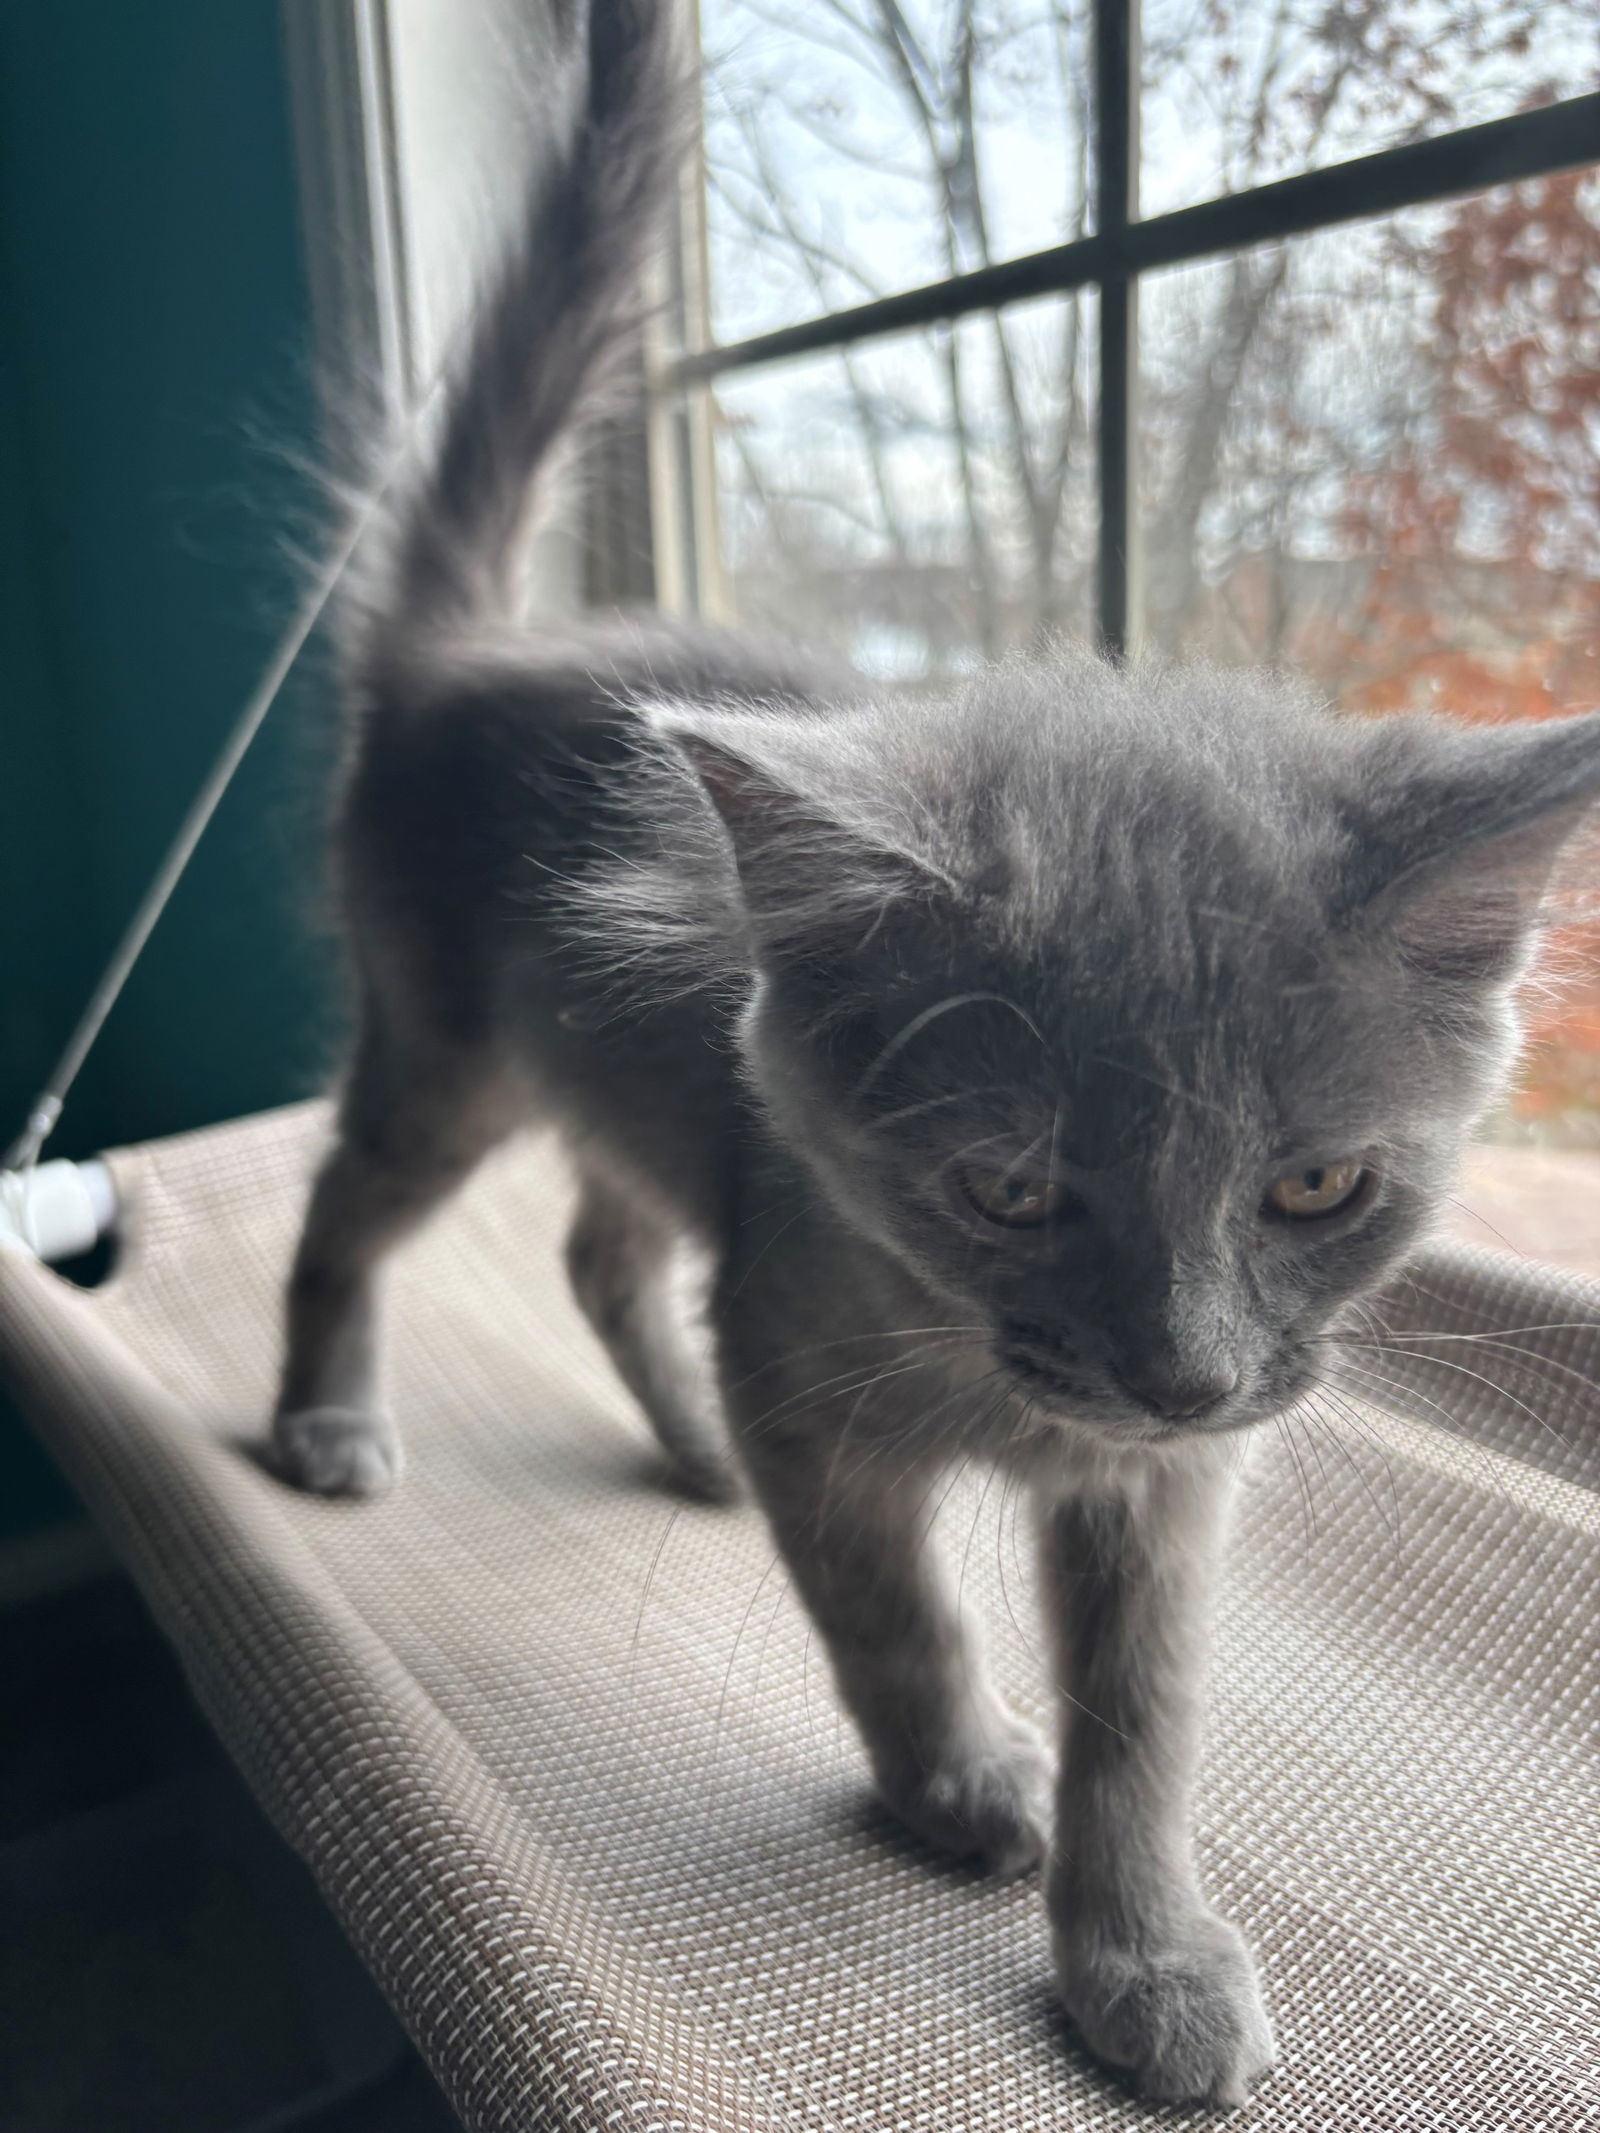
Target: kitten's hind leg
(415,1120)
(625,1260)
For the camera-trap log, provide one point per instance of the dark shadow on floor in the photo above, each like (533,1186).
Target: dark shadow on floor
(166,1964)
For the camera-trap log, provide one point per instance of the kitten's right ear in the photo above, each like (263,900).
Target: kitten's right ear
(818,863)
(764,814)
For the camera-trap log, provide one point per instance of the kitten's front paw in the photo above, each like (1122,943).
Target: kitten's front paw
(336,1451)
(708,1477)
(1183,2015)
(991,1805)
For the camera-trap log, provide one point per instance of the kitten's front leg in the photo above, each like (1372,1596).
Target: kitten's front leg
(952,1761)
(1156,1982)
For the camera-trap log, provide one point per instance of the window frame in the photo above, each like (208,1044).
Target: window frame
(1122,249)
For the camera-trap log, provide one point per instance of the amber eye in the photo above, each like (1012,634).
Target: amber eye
(1322,1190)
(1013,1200)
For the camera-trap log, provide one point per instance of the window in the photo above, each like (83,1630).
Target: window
(1261,328)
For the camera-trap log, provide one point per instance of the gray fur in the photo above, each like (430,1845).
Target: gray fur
(779,957)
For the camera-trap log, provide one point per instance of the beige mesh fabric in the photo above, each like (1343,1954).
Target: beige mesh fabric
(570,1769)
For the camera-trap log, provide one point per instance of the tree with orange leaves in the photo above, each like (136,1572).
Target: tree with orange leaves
(1483,528)
(1483,534)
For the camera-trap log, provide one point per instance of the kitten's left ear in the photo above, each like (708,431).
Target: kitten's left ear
(1454,852)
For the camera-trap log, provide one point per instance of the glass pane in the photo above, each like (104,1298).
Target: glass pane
(854,149)
(919,502)
(1238,92)
(1374,455)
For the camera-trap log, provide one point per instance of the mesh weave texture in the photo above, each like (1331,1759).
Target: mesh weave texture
(571,1771)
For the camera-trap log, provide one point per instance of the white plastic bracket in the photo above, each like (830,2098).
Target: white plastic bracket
(56,1210)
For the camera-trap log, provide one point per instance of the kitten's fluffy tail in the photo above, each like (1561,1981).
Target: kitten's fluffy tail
(550,329)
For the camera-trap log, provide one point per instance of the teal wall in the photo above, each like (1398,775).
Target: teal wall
(155,386)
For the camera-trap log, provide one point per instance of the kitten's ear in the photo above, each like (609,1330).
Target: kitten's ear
(818,862)
(1455,855)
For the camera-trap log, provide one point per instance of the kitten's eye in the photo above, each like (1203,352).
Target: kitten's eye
(1015,1201)
(1322,1190)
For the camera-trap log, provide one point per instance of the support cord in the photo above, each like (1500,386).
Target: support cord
(46,1107)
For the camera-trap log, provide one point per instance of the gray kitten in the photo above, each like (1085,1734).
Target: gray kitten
(1041,1072)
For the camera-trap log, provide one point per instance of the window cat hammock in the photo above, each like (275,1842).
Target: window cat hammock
(566,1764)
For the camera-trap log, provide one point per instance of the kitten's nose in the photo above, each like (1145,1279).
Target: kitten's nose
(1179,1397)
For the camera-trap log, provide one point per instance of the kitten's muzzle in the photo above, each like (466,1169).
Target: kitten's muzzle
(1178,1396)
(1173,1400)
